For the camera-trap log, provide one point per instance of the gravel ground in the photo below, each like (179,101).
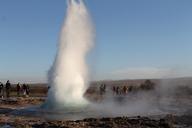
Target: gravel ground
(8,120)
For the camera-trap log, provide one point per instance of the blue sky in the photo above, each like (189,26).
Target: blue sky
(134,38)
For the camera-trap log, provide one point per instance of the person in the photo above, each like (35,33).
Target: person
(102,89)
(1,90)
(27,90)
(117,90)
(8,88)
(24,88)
(114,90)
(125,90)
(18,89)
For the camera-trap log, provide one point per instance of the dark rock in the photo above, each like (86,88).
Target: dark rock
(163,123)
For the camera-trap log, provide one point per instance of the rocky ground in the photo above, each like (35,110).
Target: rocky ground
(118,122)
(8,120)
(21,101)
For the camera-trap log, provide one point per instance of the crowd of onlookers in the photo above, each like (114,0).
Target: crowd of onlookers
(23,89)
(124,90)
(119,90)
(5,90)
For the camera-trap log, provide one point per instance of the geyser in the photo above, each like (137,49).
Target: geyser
(68,76)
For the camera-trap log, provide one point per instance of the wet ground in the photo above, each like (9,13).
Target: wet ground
(168,113)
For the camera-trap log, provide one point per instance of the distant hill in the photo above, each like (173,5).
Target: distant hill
(179,81)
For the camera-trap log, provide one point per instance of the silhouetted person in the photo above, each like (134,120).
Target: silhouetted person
(18,89)
(102,89)
(117,90)
(125,90)
(1,90)
(27,90)
(114,90)
(24,88)
(8,88)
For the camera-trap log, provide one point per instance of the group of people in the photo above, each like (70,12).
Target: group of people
(6,89)
(147,85)
(121,90)
(117,90)
(22,89)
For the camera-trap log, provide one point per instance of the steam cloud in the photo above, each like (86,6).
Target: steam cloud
(68,76)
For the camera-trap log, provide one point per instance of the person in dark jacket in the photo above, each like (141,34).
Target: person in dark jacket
(24,88)
(27,90)
(102,89)
(8,88)
(1,90)
(18,89)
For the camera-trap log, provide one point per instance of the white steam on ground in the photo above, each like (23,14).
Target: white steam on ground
(68,77)
(170,96)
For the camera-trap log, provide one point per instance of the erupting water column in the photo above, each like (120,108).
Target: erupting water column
(68,77)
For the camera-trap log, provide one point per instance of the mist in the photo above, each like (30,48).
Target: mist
(170,96)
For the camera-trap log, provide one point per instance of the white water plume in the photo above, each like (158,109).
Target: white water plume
(68,77)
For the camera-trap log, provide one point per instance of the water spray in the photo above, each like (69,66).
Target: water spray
(68,76)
